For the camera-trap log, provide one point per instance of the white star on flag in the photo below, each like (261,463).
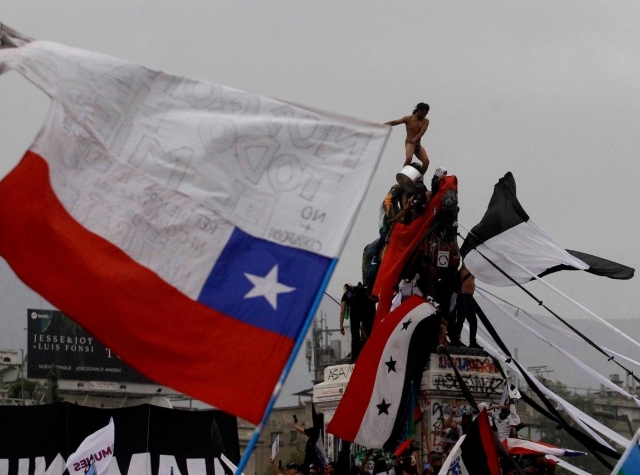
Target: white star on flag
(267,287)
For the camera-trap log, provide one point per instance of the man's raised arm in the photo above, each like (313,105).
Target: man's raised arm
(396,122)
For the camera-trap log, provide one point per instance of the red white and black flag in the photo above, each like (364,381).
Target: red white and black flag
(475,453)
(506,236)
(376,402)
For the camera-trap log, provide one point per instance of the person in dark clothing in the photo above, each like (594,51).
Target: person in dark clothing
(311,459)
(465,309)
(347,311)
(331,469)
(361,307)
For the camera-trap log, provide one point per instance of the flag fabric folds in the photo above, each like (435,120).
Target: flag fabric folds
(476,452)
(527,447)
(375,404)
(506,235)
(602,267)
(94,453)
(403,242)
(188,226)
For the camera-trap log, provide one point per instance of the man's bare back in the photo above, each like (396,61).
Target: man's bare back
(416,126)
(467,281)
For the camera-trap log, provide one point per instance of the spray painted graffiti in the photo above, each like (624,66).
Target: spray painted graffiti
(424,401)
(476,365)
(485,385)
(440,411)
(424,398)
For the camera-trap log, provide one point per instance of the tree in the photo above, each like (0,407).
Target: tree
(23,389)
(52,379)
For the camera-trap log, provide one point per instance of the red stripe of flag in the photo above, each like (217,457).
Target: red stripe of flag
(155,328)
(353,405)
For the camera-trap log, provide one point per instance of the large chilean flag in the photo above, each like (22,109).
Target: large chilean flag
(189,226)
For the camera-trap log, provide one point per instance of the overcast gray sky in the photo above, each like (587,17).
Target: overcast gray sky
(547,90)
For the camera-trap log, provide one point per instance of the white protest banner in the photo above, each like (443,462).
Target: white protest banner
(96,449)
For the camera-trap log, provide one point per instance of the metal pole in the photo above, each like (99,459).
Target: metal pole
(22,374)
(515,354)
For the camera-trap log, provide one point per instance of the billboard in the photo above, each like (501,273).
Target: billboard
(56,339)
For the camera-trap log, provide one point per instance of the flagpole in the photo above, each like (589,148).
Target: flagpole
(559,292)
(585,421)
(556,328)
(604,381)
(578,304)
(600,446)
(285,372)
(575,330)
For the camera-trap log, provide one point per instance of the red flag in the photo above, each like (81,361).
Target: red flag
(404,240)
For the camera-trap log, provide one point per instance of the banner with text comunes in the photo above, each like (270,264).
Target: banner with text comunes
(56,339)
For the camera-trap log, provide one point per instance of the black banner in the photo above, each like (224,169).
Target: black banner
(56,339)
(149,440)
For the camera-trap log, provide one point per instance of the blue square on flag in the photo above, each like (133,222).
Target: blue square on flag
(264,284)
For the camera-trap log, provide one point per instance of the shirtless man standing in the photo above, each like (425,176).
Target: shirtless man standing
(416,127)
(465,308)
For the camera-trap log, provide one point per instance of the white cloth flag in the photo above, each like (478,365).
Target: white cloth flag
(594,374)
(275,448)
(96,449)
(455,460)
(583,420)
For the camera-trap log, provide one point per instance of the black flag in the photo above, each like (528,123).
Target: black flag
(506,237)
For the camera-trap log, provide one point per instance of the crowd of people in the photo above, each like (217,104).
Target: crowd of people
(504,421)
(330,468)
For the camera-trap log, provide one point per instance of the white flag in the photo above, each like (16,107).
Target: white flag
(97,449)
(275,448)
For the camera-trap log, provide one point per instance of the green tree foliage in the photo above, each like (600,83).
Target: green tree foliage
(53,376)
(30,389)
